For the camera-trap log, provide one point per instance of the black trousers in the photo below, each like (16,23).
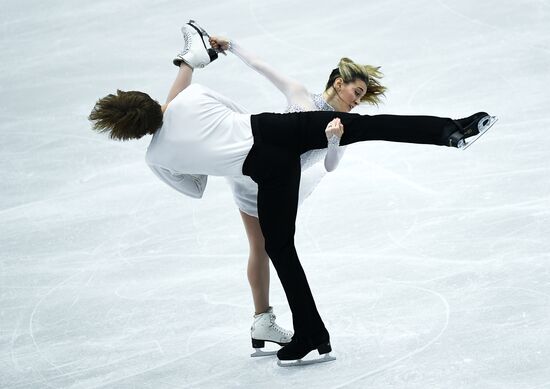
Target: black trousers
(274,164)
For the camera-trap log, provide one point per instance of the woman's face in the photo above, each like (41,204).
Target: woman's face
(349,94)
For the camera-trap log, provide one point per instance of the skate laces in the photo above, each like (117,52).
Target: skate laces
(187,39)
(276,327)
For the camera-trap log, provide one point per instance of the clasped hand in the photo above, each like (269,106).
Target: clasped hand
(334,128)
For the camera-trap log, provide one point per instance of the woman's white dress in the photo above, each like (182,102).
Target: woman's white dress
(244,189)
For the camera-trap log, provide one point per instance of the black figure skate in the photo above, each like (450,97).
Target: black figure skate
(471,127)
(292,354)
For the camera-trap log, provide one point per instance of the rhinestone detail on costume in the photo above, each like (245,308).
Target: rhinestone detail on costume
(310,158)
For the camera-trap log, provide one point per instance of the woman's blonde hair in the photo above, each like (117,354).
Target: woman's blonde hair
(350,71)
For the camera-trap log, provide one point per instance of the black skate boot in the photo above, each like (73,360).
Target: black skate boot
(292,353)
(472,126)
(195,51)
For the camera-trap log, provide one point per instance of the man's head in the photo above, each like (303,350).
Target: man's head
(126,115)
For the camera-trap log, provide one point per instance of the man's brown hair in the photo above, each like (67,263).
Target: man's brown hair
(126,115)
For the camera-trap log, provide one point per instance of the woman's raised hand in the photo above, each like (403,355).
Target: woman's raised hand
(219,43)
(334,128)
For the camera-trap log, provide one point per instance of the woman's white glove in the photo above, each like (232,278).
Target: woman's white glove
(334,131)
(219,43)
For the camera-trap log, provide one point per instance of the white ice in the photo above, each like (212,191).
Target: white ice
(429,265)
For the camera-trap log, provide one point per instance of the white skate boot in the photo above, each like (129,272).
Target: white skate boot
(264,329)
(195,51)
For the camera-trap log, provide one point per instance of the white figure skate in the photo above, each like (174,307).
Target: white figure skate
(196,52)
(264,329)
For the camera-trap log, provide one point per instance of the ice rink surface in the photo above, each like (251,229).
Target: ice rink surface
(430,266)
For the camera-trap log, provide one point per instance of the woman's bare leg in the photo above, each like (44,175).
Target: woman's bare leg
(182,81)
(258,263)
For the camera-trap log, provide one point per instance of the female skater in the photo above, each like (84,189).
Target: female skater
(198,133)
(348,85)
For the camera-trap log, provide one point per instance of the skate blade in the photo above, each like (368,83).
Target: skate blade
(203,32)
(198,28)
(484,126)
(301,362)
(261,353)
